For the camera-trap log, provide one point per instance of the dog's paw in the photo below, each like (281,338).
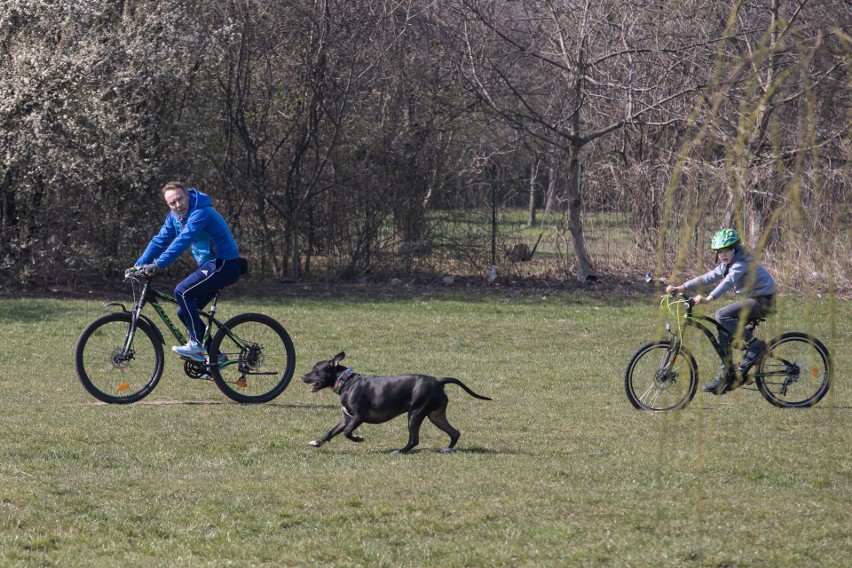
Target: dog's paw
(447,450)
(315,443)
(356,438)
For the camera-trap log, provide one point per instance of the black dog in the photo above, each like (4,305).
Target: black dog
(371,399)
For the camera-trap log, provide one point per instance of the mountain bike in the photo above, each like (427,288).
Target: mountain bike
(119,356)
(793,372)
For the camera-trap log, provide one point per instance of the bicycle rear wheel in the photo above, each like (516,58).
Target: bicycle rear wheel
(259,358)
(108,371)
(795,372)
(658,379)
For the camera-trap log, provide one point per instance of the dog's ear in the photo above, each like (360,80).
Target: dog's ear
(338,358)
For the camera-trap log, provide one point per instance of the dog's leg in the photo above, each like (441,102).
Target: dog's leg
(439,419)
(350,428)
(331,434)
(415,419)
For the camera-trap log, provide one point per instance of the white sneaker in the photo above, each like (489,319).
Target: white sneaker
(192,350)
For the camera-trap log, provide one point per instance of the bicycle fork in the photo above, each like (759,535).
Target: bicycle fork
(126,352)
(665,372)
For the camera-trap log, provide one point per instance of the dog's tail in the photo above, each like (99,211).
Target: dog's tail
(453,381)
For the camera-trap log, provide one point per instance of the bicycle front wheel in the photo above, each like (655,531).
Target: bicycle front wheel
(256,358)
(656,378)
(110,372)
(795,372)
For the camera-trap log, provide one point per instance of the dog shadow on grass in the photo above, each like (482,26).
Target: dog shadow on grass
(473,450)
(173,402)
(427,450)
(424,451)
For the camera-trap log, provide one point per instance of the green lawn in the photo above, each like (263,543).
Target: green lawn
(559,470)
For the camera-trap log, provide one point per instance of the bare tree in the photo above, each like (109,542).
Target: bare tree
(289,84)
(569,74)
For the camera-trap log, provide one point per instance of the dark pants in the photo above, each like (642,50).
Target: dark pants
(752,308)
(198,289)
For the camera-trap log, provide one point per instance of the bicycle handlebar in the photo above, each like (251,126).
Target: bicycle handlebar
(681,298)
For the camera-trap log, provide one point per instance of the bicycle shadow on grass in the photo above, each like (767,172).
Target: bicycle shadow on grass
(724,405)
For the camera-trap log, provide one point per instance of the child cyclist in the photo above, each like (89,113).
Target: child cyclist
(738,271)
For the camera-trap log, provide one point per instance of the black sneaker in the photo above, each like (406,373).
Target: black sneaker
(755,351)
(719,386)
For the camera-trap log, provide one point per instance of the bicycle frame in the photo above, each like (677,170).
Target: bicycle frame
(704,324)
(696,321)
(150,295)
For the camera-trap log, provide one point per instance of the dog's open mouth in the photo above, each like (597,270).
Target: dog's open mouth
(315,387)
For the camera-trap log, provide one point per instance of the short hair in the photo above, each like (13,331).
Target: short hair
(173,185)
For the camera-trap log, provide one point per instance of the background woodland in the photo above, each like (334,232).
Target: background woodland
(371,139)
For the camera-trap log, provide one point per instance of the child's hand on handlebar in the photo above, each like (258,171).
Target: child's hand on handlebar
(674,289)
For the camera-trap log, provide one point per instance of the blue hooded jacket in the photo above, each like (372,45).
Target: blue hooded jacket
(203,229)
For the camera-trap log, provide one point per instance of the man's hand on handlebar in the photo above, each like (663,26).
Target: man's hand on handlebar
(149,269)
(144,269)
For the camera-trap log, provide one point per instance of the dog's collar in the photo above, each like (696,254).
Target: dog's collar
(341,380)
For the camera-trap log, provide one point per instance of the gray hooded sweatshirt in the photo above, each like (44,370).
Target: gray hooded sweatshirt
(737,276)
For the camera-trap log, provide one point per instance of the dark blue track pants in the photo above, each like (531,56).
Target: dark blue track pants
(198,289)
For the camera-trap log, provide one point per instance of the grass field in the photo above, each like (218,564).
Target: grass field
(559,470)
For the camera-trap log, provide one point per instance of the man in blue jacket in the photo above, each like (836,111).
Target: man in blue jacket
(194,224)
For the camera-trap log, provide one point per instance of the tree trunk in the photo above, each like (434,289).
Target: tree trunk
(533,177)
(295,252)
(551,189)
(585,270)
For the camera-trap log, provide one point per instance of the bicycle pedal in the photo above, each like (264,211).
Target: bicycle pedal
(241,383)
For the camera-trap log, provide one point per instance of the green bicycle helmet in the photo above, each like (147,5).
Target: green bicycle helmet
(726,238)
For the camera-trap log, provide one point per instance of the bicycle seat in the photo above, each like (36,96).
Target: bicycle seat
(766,314)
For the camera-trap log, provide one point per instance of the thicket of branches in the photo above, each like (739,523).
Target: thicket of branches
(344,138)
